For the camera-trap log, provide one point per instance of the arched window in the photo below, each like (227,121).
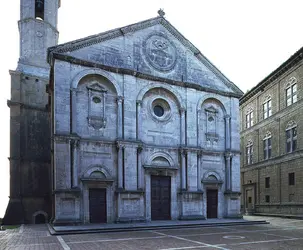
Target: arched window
(291,136)
(267,111)
(39,9)
(291,91)
(267,145)
(249,118)
(249,152)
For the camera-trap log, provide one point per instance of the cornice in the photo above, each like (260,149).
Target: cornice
(74,60)
(26,106)
(284,67)
(140,144)
(273,161)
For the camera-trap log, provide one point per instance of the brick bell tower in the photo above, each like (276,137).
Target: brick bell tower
(30,142)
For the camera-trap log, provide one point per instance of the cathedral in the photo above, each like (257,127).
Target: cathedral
(131,124)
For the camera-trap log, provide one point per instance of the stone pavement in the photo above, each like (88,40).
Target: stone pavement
(280,234)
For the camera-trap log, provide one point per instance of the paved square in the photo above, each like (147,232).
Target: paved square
(280,234)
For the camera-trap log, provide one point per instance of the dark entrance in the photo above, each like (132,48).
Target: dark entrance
(212,203)
(160,198)
(40,219)
(97,205)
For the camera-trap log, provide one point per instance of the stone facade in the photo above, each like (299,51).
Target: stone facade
(133,124)
(134,103)
(283,125)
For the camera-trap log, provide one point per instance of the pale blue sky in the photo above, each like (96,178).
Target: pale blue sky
(245,39)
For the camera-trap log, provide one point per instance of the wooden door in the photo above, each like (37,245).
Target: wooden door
(160,197)
(212,203)
(97,205)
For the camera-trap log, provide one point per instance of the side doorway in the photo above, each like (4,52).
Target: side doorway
(212,203)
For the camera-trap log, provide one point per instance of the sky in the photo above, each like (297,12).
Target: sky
(245,39)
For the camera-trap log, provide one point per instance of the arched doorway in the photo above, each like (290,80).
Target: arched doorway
(40,219)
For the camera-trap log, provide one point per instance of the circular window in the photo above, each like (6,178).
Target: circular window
(96,99)
(158,110)
(210,119)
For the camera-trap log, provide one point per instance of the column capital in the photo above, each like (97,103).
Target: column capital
(120,99)
(139,102)
(119,145)
(182,111)
(183,151)
(228,155)
(139,149)
(227,117)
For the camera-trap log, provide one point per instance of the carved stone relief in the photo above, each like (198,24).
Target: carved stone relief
(159,52)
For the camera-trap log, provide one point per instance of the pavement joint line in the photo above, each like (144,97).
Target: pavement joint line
(31,245)
(235,232)
(121,239)
(264,241)
(194,241)
(21,229)
(63,243)
(181,248)
(279,235)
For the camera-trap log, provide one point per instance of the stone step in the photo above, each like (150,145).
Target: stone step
(107,228)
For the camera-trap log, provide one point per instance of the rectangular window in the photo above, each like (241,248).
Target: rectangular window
(267,198)
(267,182)
(249,119)
(291,95)
(267,109)
(249,154)
(291,140)
(291,179)
(267,148)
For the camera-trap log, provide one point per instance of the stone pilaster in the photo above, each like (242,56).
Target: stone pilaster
(139,123)
(120,117)
(199,159)
(228,158)
(227,132)
(183,126)
(140,174)
(73,111)
(75,145)
(120,165)
(183,169)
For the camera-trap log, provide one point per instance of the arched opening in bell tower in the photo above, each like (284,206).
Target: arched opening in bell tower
(39,9)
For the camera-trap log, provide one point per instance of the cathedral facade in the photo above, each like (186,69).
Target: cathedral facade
(143,127)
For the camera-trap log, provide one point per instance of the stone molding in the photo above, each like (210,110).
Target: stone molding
(27,106)
(74,60)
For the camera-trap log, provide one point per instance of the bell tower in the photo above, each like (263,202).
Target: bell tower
(38,31)
(30,199)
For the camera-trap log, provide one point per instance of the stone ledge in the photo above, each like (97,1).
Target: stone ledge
(192,217)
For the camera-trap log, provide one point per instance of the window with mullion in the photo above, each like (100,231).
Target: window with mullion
(267,148)
(249,119)
(267,109)
(291,94)
(291,140)
(249,154)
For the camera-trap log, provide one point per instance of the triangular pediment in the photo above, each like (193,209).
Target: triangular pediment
(95,86)
(152,47)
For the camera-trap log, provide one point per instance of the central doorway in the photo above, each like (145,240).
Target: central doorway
(160,197)
(212,203)
(97,205)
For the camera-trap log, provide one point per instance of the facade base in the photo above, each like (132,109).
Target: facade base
(192,217)
(14,214)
